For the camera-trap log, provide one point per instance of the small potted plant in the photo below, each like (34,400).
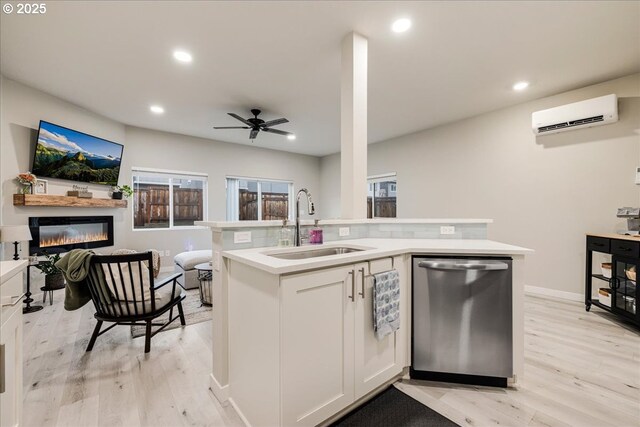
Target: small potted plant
(121,190)
(27,180)
(53,278)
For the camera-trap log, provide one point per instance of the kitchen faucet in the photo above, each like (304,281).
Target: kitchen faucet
(312,210)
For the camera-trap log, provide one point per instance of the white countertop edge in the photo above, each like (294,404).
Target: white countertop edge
(258,258)
(221,225)
(9,268)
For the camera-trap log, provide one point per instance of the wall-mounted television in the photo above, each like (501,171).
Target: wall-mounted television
(64,153)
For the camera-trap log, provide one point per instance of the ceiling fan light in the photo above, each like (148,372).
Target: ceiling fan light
(291,137)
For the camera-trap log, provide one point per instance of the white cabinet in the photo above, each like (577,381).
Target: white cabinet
(376,362)
(330,356)
(317,345)
(11,343)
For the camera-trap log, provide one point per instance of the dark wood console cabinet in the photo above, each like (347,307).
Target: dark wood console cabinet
(622,285)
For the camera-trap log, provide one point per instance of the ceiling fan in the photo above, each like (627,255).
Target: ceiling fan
(256,125)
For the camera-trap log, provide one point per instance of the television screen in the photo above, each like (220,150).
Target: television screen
(68,154)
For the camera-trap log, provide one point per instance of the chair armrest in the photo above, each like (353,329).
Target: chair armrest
(166,280)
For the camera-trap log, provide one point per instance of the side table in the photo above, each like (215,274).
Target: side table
(28,300)
(205,275)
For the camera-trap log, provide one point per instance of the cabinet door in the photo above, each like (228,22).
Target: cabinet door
(623,297)
(376,361)
(317,345)
(11,399)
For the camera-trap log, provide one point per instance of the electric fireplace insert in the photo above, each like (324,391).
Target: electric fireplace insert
(58,234)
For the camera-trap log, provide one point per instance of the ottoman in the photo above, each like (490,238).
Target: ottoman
(185,263)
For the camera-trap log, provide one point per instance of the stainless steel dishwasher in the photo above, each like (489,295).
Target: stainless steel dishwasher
(462,320)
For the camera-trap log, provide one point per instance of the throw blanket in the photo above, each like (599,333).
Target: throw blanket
(386,303)
(75,267)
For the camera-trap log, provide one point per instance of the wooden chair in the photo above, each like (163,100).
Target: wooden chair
(123,291)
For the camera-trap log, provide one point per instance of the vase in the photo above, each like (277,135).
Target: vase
(54,281)
(26,189)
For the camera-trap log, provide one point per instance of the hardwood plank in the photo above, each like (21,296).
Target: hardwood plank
(578,372)
(79,413)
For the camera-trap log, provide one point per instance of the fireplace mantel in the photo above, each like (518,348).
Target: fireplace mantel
(65,201)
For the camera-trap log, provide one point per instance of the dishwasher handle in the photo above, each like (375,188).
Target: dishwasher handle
(452,265)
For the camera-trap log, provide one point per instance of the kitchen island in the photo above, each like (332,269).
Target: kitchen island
(301,347)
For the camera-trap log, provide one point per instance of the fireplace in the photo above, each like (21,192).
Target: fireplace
(57,234)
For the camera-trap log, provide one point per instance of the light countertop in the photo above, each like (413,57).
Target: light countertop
(632,238)
(374,248)
(9,268)
(221,225)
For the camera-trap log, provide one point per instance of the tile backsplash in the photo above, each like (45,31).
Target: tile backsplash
(268,236)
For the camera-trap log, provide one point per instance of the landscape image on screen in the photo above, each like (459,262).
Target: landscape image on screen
(67,154)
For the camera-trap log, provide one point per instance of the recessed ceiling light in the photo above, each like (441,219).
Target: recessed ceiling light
(401,25)
(520,86)
(156,109)
(291,137)
(182,56)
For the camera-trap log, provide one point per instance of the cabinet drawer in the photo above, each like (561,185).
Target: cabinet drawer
(380,265)
(598,244)
(625,248)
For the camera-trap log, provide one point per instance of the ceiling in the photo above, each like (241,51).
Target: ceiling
(459,59)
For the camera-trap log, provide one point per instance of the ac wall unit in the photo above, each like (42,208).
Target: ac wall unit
(592,112)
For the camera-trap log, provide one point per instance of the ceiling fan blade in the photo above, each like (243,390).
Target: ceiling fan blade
(235,116)
(254,133)
(274,122)
(279,132)
(231,127)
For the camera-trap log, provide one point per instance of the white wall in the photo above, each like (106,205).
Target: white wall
(22,108)
(162,150)
(543,193)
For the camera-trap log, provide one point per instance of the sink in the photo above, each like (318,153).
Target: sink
(314,253)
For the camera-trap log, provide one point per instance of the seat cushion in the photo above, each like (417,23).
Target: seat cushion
(162,298)
(130,280)
(188,260)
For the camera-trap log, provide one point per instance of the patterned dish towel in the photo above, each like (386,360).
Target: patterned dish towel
(386,303)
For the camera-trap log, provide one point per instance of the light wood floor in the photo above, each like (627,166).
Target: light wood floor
(116,384)
(581,369)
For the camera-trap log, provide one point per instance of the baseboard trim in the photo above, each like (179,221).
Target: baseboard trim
(569,296)
(220,392)
(244,419)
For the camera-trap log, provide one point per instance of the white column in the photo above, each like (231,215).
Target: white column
(353,127)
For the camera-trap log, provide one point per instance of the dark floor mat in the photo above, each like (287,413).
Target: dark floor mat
(393,408)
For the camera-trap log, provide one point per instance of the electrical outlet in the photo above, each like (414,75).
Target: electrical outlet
(167,252)
(344,231)
(447,229)
(242,237)
(216,260)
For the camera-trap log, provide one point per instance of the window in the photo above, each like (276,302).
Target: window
(250,199)
(381,197)
(166,200)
